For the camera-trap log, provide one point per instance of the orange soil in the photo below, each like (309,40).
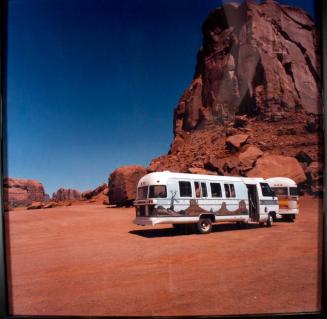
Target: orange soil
(92,260)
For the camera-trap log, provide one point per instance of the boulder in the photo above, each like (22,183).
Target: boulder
(303,157)
(66,194)
(240,121)
(249,157)
(122,184)
(315,175)
(278,166)
(22,192)
(35,205)
(51,204)
(102,189)
(223,166)
(236,141)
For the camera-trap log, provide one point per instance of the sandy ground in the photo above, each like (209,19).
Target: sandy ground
(92,260)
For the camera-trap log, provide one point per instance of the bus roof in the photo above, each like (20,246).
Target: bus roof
(162,177)
(280,182)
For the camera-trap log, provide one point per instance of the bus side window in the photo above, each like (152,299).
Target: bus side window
(197,189)
(232,190)
(204,190)
(215,189)
(229,190)
(185,189)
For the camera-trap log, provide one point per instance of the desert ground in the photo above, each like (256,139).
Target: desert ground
(92,260)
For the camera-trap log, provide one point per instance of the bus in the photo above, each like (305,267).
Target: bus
(288,197)
(180,198)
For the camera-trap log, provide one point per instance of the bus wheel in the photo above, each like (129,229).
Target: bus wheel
(291,218)
(270,221)
(204,225)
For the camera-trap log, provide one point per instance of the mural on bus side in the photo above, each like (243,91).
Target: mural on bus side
(195,210)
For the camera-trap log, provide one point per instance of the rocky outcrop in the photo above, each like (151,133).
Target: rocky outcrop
(99,194)
(122,184)
(254,104)
(35,205)
(257,59)
(22,192)
(66,194)
(315,175)
(276,166)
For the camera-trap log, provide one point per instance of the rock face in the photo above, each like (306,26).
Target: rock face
(277,166)
(315,175)
(63,194)
(22,192)
(122,184)
(257,59)
(254,105)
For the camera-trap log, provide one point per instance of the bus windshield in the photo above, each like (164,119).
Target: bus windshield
(280,191)
(294,191)
(142,192)
(266,190)
(158,191)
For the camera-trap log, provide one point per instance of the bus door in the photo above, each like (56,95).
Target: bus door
(254,213)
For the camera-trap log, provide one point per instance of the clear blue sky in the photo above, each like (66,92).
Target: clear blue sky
(91,84)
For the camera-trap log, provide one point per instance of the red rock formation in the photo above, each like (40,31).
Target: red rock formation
(315,175)
(276,166)
(122,184)
(257,77)
(236,141)
(63,194)
(22,192)
(35,205)
(99,194)
(256,59)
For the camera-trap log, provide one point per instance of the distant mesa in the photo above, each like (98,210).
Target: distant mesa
(66,194)
(22,192)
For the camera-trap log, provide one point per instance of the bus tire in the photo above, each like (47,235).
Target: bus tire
(204,225)
(269,221)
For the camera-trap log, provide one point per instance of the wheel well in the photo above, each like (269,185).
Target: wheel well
(273,214)
(210,216)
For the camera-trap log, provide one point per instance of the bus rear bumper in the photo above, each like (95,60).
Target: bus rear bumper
(285,212)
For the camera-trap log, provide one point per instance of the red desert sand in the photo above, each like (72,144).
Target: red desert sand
(92,260)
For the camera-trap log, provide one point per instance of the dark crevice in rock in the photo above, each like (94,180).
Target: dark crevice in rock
(302,49)
(312,70)
(303,26)
(287,37)
(288,69)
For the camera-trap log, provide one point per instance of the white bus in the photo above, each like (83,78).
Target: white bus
(178,198)
(288,198)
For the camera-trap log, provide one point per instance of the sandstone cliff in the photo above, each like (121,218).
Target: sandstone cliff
(22,192)
(255,99)
(256,59)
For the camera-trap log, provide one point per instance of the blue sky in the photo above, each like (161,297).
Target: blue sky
(92,84)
